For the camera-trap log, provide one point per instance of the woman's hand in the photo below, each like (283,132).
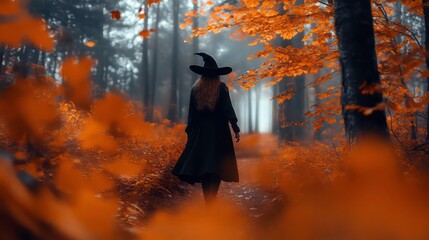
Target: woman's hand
(237,137)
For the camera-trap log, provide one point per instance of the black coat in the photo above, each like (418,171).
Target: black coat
(209,148)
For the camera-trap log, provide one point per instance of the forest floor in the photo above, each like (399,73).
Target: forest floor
(247,194)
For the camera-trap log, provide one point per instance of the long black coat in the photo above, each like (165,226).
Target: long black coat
(209,148)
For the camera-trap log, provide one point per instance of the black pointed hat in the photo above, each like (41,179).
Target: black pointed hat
(210,67)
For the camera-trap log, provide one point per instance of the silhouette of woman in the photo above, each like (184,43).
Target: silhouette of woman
(209,157)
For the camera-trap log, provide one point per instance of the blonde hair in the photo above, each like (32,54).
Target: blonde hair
(207,92)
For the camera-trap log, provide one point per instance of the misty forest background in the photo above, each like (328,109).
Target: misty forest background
(332,99)
(155,70)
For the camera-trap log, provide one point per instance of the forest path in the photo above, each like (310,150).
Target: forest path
(247,194)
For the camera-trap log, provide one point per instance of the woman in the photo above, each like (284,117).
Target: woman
(209,155)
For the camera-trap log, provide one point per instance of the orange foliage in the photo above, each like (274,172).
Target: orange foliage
(116,15)
(77,87)
(221,221)
(150,2)
(75,150)
(331,190)
(363,192)
(91,149)
(28,109)
(323,190)
(145,33)
(90,44)
(400,54)
(21,26)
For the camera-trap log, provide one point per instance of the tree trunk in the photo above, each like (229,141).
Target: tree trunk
(145,66)
(106,75)
(35,56)
(172,113)
(42,59)
(25,55)
(258,96)
(318,133)
(154,75)
(275,121)
(354,29)
(187,86)
(55,64)
(100,51)
(7,54)
(249,107)
(394,43)
(2,52)
(426,15)
(195,40)
(292,111)
(281,87)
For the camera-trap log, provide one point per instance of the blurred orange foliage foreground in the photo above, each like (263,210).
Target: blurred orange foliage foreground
(363,192)
(75,167)
(80,167)
(85,168)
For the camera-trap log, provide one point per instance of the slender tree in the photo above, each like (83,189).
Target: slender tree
(172,112)
(317,134)
(426,25)
(354,28)
(195,40)
(100,49)
(2,53)
(275,129)
(292,111)
(154,75)
(257,112)
(145,65)
(249,108)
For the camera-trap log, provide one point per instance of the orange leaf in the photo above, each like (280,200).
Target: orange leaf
(150,2)
(116,15)
(141,16)
(145,33)
(90,44)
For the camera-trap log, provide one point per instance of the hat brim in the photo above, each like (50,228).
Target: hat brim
(210,71)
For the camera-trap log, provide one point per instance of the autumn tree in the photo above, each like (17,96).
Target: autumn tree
(400,63)
(426,26)
(144,70)
(361,99)
(154,75)
(293,109)
(173,107)
(195,41)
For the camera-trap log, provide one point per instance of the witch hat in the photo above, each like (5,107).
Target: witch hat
(210,67)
